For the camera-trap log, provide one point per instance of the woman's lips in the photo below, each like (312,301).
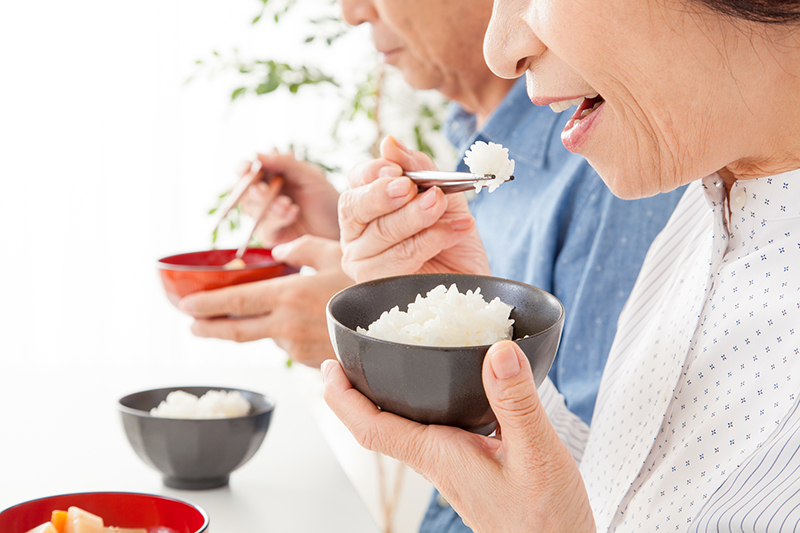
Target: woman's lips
(580,125)
(388,55)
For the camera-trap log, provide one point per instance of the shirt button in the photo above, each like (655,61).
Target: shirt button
(441,501)
(739,199)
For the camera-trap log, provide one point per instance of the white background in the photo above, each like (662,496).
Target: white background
(109,160)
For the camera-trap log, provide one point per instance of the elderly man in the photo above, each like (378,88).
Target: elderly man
(569,236)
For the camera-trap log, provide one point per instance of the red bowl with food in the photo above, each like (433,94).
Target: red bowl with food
(184,274)
(118,509)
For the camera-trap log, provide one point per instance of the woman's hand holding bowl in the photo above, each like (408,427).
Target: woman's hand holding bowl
(528,471)
(387,229)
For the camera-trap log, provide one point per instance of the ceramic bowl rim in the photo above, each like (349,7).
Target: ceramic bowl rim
(146,414)
(482,347)
(161,263)
(203,513)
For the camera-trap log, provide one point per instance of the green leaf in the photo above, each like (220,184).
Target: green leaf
(272,82)
(238,92)
(289,363)
(310,38)
(212,210)
(256,19)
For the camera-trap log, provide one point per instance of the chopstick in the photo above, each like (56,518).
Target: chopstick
(252,176)
(275,185)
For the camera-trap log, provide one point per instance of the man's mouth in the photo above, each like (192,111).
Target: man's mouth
(586,106)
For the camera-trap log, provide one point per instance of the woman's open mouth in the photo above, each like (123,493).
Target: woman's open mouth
(578,126)
(586,107)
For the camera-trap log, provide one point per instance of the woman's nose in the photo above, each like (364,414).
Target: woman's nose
(357,12)
(510,46)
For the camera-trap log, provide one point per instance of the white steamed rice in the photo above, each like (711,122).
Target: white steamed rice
(445,317)
(213,404)
(490,158)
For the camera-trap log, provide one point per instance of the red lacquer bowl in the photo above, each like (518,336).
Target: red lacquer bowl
(184,274)
(119,509)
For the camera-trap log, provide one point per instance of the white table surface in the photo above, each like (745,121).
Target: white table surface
(64,435)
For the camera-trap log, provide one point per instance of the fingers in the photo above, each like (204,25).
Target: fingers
(409,256)
(371,427)
(368,171)
(247,299)
(508,381)
(391,227)
(360,206)
(257,196)
(235,329)
(316,252)
(395,151)
(430,450)
(397,158)
(287,165)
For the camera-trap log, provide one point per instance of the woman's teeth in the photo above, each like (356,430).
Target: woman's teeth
(558,107)
(585,113)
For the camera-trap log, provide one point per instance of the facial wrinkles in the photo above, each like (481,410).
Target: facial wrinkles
(710,126)
(657,121)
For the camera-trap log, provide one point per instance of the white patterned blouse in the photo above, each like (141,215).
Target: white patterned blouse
(697,422)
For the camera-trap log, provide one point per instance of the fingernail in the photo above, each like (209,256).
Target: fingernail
(505,363)
(399,187)
(428,199)
(278,207)
(460,224)
(280,251)
(401,145)
(390,172)
(326,369)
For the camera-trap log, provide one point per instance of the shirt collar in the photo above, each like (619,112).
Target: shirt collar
(525,129)
(769,198)
(757,209)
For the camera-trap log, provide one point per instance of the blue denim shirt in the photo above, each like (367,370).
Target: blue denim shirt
(558,227)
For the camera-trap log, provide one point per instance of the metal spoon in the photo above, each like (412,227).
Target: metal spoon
(448,182)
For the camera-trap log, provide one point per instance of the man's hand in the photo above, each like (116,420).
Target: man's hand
(306,204)
(289,309)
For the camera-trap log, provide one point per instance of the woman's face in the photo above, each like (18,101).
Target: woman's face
(671,82)
(436,44)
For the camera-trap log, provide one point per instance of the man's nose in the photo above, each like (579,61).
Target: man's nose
(357,12)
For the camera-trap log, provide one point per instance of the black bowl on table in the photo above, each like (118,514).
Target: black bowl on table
(189,453)
(436,385)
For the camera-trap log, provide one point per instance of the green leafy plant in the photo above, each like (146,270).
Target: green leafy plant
(364,100)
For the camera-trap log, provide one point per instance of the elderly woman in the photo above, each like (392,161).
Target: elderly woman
(697,422)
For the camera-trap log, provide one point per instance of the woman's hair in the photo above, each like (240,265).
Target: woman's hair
(764,11)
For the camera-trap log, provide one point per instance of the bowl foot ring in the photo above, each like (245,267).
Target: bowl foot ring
(196,484)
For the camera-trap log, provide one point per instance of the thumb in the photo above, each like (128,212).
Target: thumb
(397,152)
(308,250)
(508,381)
